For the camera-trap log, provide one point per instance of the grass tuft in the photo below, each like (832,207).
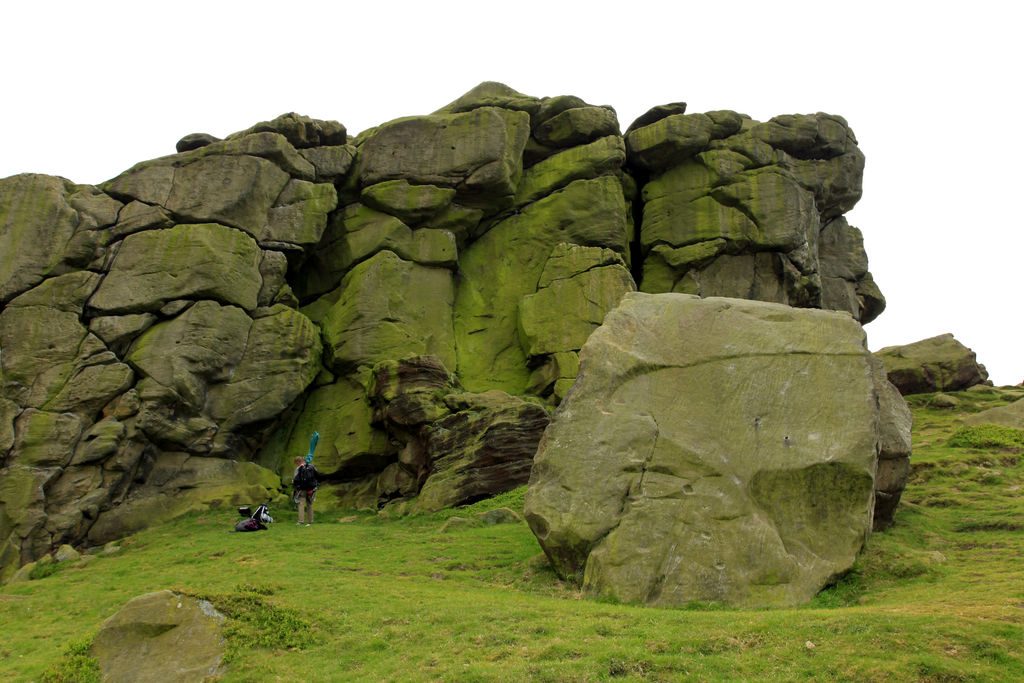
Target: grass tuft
(987,436)
(253,622)
(75,665)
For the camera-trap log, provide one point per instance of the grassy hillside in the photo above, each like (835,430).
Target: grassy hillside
(939,597)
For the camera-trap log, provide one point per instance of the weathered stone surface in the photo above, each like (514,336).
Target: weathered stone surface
(499,516)
(492,94)
(200,347)
(935,364)
(37,221)
(153,320)
(222,264)
(195,141)
(45,439)
(604,155)
(479,153)
(136,217)
(732,207)
(577,126)
(299,214)
(118,331)
(894,449)
(668,140)
(485,447)
(582,284)
(410,391)
(411,204)
(301,131)
(390,308)
(9,410)
(280,358)
(712,449)
(99,442)
(655,114)
(330,163)
(236,190)
(49,359)
(351,445)
(66,553)
(161,636)
(505,264)
(268,145)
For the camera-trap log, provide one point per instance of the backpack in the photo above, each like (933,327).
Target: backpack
(305,478)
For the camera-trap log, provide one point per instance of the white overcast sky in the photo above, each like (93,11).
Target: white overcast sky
(932,90)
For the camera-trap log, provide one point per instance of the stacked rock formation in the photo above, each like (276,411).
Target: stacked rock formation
(417,294)
(733,207)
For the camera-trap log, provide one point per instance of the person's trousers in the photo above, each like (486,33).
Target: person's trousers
(305,509)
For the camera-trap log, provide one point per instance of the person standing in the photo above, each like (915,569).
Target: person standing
(304,486)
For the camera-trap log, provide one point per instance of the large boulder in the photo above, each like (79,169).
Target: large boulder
(161,636)
(713,450)
(935,364)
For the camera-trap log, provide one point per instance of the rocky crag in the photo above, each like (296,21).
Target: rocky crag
(417,294)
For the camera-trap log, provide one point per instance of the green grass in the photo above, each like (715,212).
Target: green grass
(938,597)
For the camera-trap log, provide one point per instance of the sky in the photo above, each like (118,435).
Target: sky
(931,89)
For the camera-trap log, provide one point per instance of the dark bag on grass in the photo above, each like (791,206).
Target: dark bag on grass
(257,522)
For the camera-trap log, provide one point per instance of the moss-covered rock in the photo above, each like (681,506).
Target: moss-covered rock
(602,156)
(222,264)
(300,131)
(331,164)
(505,264)
(479,153)
(351,445)
(180,483)
(411,204)
(935,364)
(45,439)
(577,288)
(1011,416)
(37,220)
(200,347)
(492,94)
(484,448)
(236,190)
(766,198)
(299,214)
(390,308)
(577,126)
(161,635)
(280,357)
